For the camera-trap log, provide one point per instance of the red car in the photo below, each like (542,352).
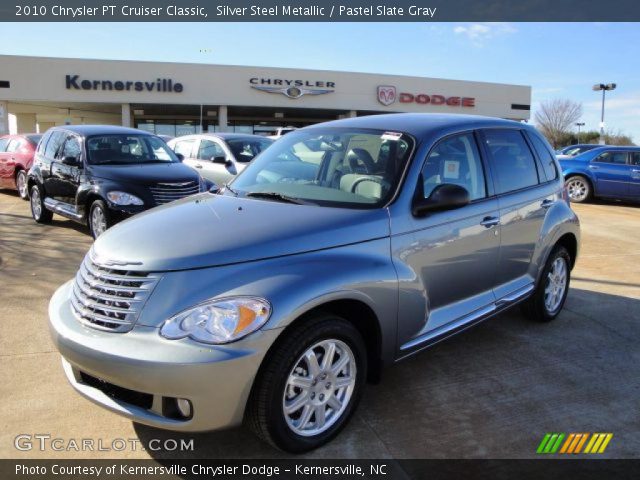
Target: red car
(16,157)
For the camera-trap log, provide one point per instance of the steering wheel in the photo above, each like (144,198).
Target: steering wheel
(360,180)
(363,156)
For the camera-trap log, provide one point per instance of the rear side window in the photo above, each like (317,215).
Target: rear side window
(53,144)
(3,144)
(546,157)
(635,158)
(512,162)
(455,160)
(184,148)
(43,143)
(14,145)
(619,158)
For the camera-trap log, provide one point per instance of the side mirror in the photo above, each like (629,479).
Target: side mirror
(180,157)
(222,160)
(71,161)
(446,196)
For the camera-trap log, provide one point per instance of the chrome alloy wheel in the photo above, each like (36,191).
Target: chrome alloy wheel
(556,285)
(36,205)
(98,222)
(577,189)
(21,184)
(319,387)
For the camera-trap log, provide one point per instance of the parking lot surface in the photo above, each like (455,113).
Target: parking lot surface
(491,392)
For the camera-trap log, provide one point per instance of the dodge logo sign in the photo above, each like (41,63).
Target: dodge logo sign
(386,94)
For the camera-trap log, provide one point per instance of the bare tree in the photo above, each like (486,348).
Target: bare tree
(555,118)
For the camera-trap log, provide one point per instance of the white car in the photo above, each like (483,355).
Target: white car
(219,157)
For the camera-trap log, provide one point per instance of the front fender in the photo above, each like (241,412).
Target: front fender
(293,285)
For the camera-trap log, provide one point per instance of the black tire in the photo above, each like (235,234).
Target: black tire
(97,230)
(579,189)
(38,211)
(265,409)
(536,308)
(21,184)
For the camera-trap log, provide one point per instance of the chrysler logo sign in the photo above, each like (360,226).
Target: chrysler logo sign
(387,95)
(292,88)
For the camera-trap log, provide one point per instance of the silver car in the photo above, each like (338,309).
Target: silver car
(219,157)
(344,248)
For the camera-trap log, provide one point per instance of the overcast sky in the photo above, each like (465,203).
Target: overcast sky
(558,60)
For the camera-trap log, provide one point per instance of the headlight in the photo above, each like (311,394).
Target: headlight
(218,321)
(123,198)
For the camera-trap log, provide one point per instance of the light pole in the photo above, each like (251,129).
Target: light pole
(604,87)
(579,124)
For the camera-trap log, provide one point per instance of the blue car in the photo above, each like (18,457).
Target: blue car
(606,172)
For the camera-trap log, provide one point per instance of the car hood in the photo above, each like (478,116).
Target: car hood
(149,174)
(209,230)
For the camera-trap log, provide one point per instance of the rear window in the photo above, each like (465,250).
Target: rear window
(512,161)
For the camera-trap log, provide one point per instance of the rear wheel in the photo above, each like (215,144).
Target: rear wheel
(548,299)
(99,219)
(21,184)
(310,385)
(38,211)
(578,189)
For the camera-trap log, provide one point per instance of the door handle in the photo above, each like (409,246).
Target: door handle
(489,222)
(198,166)
(594,167)
(546,203)
(635,170)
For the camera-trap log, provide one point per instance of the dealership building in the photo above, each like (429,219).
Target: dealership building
(178,99)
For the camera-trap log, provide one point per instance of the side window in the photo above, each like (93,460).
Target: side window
(184,147)
(43,143)
(546,158)
(71,148)
(54,144)
(209,149)
(3,144)
(619,158)
(14,145)
(455,160)
(635,158)
(511,160)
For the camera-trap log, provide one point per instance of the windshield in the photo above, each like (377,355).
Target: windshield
(246,149)
(128,149)
(332,167)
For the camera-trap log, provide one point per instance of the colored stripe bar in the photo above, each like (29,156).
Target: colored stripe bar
(583,439)
(556,446)
(605,442)
(594,437)
(543,443)
(565,447)
(550,443)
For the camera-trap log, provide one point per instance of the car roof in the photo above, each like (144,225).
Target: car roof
(88,130)
(614,147)
(221,135)
(420,124)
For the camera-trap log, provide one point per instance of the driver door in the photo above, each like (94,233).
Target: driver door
(217,165)
(67,177)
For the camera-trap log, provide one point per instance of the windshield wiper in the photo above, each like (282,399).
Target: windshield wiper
(278,196)
(227,187)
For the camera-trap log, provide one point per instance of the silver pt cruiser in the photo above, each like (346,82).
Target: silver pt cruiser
(343,248)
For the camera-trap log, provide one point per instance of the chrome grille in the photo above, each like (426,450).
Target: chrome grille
(110,299)
(168,192)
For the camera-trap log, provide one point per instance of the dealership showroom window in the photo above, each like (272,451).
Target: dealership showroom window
(307,239)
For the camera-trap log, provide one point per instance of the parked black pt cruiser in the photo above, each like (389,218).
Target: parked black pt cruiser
(99,175)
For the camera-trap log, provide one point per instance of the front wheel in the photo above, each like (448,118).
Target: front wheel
(549,297)
(310,384)
(578,189)
(99,219)
(21,184)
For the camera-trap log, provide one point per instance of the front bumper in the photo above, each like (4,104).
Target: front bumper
(155,371)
